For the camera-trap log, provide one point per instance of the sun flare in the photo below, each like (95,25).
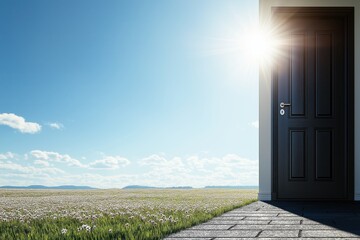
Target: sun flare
(260,45)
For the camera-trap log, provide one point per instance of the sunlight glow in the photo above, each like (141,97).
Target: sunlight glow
(259,45)
(242,48)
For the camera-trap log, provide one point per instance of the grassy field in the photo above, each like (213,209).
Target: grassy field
(111,214)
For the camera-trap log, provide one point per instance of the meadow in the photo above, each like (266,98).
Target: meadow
(111,214)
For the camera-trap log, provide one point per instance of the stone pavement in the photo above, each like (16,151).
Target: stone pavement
(281,220)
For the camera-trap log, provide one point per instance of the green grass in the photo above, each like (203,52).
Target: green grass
(111,214)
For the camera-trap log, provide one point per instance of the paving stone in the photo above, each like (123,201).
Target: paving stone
(280,233)
(230,218)
(348,224)
(245,222)
(282,222)
(212,227)
(292,210)
(261,212)
(331,215)
(250,214)
(288,215)
(328,233)
(275,218)
(320,238)
(312,222)
(270,208)
(286,227)
(216,233)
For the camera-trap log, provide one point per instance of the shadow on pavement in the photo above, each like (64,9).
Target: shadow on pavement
(343,216)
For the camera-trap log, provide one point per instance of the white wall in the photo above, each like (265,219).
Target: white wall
(265,92)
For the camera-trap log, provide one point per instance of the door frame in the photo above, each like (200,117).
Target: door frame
(347,12)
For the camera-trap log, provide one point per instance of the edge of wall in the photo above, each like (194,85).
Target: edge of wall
(267,196)
(357,197)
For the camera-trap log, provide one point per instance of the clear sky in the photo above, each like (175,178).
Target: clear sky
(114,93)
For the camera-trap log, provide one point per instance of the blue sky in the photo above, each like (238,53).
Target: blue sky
(112,93)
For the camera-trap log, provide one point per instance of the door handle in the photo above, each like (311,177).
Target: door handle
(282,104)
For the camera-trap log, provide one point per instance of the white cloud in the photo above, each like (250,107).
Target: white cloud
(42,163)
(28,169)
(196,162)
(255,124)
(19,123)
(110,162)
(107,162)
(160,165)
(56,125)
(235,160)
(154,170)
(7,155)
(56,157)
(201,163)
(153,160)
(196,171)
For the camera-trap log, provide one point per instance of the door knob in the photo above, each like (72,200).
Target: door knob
(282,104)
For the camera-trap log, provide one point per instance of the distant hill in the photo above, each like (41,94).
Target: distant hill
(149,187)
(72,187)
(189,187)
(234,187)
(137,187)
(181,187)
(67,187)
